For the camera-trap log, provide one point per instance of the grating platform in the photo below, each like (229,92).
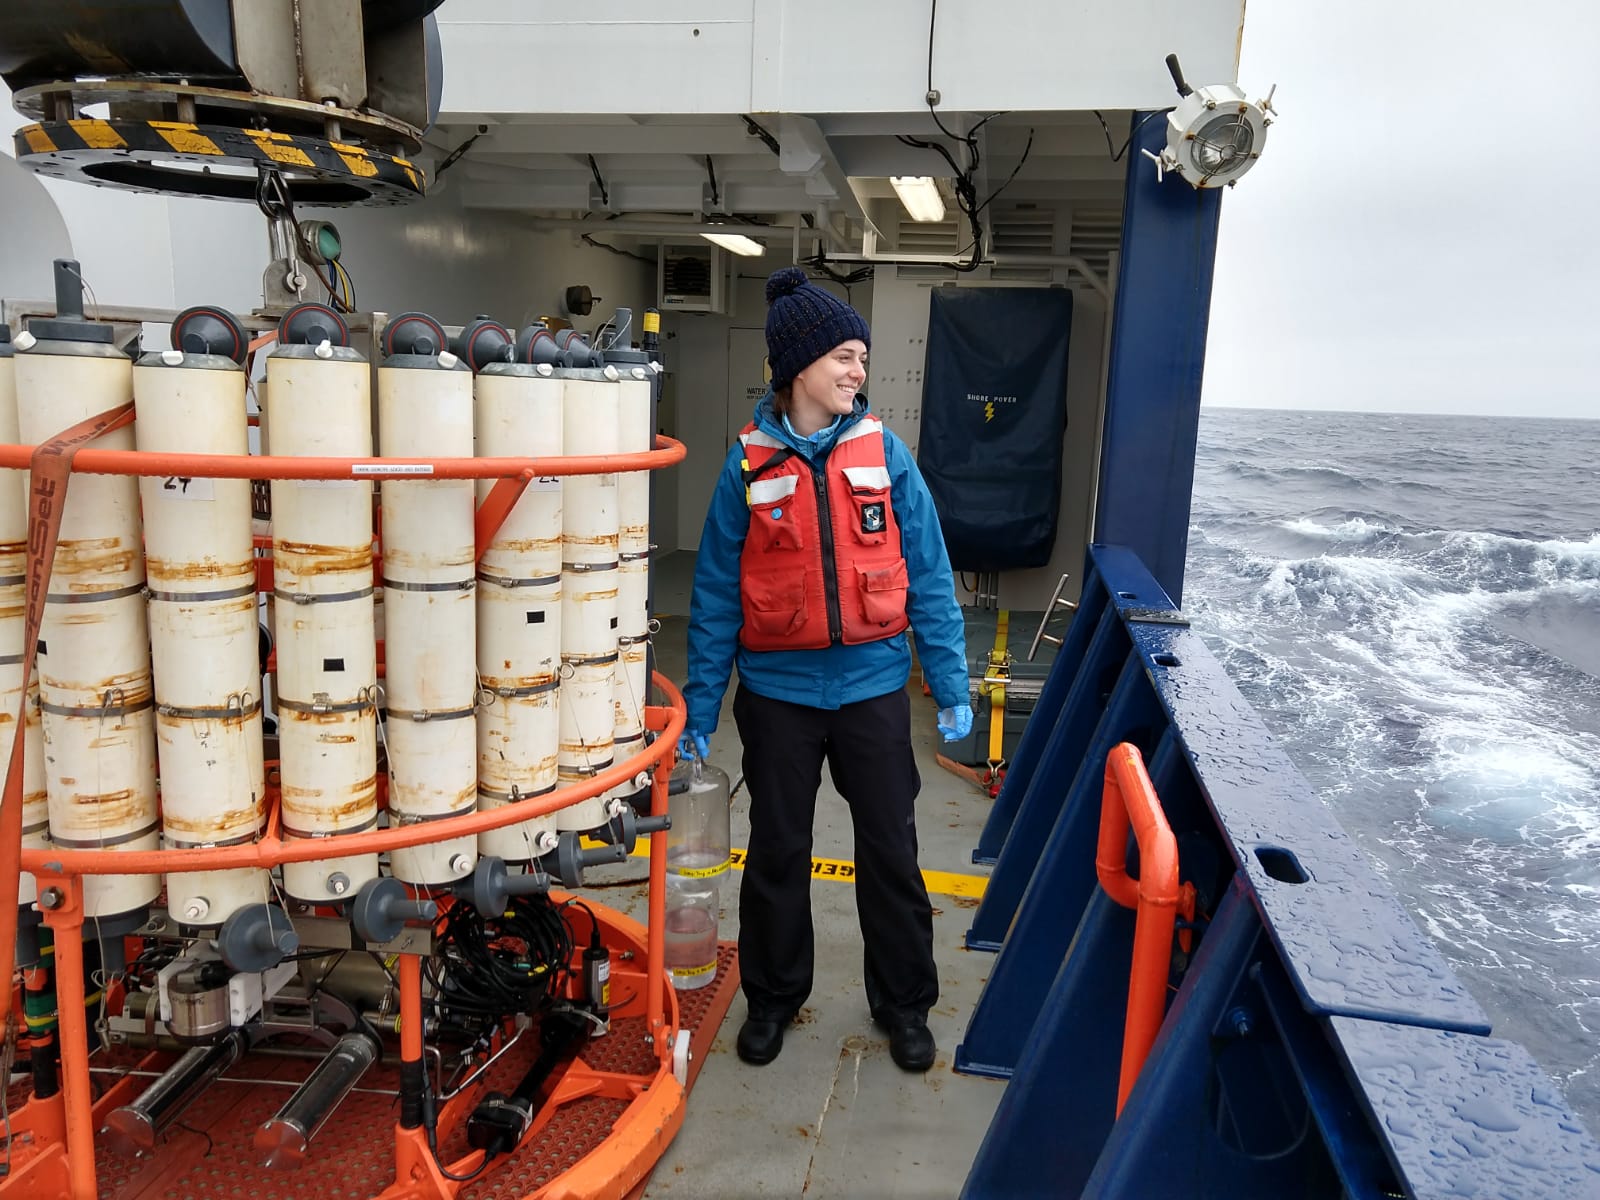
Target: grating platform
(209,1154)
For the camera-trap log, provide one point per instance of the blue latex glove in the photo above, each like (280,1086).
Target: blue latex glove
(955,723)
(692,742)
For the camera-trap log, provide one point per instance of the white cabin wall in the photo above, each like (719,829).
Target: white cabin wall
(900,334)
(828,56)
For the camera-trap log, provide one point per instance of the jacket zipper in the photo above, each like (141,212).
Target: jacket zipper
(830,573)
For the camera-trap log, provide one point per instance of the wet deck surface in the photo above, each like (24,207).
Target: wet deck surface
(833,1116)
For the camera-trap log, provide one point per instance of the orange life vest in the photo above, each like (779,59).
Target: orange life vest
(822,563)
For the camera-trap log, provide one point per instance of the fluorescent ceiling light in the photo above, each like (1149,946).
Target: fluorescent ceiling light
(737,243)
(920,195)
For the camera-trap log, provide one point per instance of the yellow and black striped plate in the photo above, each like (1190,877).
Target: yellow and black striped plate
(217,161)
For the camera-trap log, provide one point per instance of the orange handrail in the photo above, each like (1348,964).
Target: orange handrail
(1129,796)
(278,466)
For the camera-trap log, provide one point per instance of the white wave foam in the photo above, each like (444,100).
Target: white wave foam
(1356,529)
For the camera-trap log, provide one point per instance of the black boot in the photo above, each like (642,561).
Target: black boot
(911,1043)
(760,1039)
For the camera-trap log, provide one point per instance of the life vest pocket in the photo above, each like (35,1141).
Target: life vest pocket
(773,526)
(883,593)
(869,504)
(775,604)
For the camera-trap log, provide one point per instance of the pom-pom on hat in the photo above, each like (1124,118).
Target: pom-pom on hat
(804,323)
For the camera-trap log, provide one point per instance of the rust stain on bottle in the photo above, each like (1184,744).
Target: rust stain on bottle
(207,570)
(351,805)
(635,533)
(92,557)
(539,679)
(201,727)
(432,801)
(606,541)
(317,718)
(549,546)
(113,691)
(501,774)
(396,559)
(586,596)
(308,559)
(123,807)
(229,823)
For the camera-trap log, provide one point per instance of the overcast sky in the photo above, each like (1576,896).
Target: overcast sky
(1422,233)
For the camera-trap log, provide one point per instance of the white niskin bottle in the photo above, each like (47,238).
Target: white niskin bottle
(697,860)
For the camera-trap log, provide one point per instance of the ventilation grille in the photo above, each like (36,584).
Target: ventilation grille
(1096,235)
(1024,229)
(928,237)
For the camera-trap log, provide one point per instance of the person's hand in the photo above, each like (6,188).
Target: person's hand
(955,723)
(693,743)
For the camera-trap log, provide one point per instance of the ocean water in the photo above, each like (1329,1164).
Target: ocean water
(1413,605)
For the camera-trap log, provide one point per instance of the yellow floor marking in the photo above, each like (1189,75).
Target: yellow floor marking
(939,883)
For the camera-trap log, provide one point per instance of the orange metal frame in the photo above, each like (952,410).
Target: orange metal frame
(53,1148)
(1129,797)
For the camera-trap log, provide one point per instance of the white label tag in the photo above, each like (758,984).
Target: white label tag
(187,487)
(360,469)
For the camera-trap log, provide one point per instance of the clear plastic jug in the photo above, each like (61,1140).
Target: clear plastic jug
(698,846)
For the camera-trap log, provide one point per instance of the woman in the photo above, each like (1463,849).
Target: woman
(821,548)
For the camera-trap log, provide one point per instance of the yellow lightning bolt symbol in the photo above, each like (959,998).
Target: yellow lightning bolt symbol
(988,411)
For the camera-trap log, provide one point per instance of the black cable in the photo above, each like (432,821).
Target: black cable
(756,129)
(588,240)
(1025,151)
(430,1132)
(514,962)
(594,169)
(1116,156)
(818,262)
(450,159)
(711,172)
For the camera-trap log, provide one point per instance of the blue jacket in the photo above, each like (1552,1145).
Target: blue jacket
(837,675)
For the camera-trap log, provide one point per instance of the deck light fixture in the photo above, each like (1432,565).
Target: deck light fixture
(920,195)
(1214,135)
(736,243)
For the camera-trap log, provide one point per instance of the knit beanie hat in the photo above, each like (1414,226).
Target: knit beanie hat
(804,323)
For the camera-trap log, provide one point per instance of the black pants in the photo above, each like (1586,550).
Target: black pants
(867,747)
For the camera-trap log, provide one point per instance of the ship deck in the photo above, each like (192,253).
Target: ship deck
(833,1116)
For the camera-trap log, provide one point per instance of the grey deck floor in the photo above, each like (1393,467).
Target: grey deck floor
(833,1116)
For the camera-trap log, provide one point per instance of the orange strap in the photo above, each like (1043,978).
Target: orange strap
(51,466)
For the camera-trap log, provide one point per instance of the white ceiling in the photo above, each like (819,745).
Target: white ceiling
(830,169)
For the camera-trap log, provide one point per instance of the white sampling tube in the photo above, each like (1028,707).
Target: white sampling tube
(319,396)
(589,531)
(203,624)
(519,610)
(94,644)
(430,684)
